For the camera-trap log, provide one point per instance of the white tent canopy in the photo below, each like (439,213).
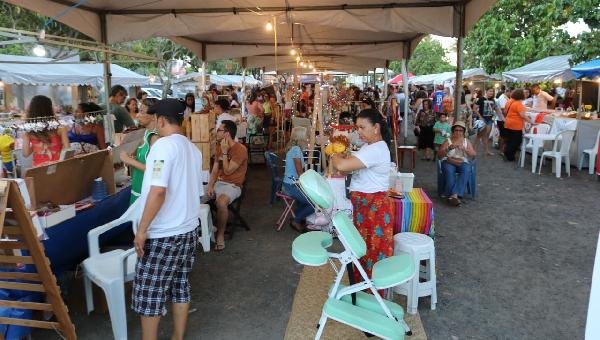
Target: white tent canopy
(547,69)
(473,74)
(344,30)
(220,79)
(43,71)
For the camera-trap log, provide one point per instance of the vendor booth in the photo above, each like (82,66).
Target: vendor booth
(547,69)
(22,75)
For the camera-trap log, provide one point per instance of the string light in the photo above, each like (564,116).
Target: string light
(269,26)
(293,52)
(297,58)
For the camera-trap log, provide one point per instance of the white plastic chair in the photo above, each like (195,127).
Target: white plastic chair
(527,144)
(206,227)
(565,138)
(110,271)
(592,153)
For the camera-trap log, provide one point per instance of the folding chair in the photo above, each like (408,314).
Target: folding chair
(273,163)
(349,305)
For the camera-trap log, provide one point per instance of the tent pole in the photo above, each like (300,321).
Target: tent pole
(459,74)
(459,30)
(406,97)
(385,80)
(243,99)
(109,123)
(203,76)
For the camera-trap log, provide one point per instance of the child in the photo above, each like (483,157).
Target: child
(7,145)
(442,131)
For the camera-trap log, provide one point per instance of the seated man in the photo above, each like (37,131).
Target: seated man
(227,175)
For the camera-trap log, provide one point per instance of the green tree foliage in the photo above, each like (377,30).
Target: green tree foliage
(516,32)
(429,57)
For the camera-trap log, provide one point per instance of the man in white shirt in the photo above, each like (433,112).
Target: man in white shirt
(222,111)
(540,98)
(501,102)
(167,234)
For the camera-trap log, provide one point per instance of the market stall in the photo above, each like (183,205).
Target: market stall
(547,69)
(586,131)
(22,75)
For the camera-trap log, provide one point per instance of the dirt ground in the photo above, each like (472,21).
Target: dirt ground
(515,263)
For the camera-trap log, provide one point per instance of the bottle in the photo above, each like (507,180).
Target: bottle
(99,191)
(392,176)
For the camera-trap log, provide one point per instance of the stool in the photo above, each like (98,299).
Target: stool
(407,148)
(420,247)
(206,227)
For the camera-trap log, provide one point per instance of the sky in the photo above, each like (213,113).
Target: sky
(573,28)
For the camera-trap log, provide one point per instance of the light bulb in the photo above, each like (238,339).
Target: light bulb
(293,51)
(301,64)
(39,50)
(297,58)
(310,66)
(269,26)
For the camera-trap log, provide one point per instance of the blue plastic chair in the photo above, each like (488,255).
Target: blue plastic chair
(471,182)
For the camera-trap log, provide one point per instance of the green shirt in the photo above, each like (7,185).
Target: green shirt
(137,175)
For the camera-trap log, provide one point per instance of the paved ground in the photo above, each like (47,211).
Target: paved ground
(515,263)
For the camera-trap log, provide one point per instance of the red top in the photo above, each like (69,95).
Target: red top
(44,152)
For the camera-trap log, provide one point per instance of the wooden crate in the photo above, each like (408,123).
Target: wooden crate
(204,148)
(201,125)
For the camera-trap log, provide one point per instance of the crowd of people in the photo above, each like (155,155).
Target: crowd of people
(166,176)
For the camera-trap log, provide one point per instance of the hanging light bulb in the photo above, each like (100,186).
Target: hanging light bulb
(314,70)
(310,65)
(301,64)
(293,51)
(297,58)
(269,26)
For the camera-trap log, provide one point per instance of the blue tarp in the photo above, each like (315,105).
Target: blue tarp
(590,69)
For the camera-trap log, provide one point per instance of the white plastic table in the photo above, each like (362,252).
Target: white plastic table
(538,140)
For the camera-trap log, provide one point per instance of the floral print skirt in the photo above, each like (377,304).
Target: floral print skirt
(374,219)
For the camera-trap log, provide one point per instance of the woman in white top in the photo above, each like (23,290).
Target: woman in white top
(455,154)
(370,168)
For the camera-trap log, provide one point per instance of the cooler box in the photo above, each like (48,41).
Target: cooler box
(404,181)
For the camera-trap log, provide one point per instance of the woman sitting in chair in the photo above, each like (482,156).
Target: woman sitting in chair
(373,209)
(455,154)
(294,167)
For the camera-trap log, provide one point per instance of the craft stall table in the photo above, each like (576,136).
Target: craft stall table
(63,184)
(585,133)
(414,213)
(66,243)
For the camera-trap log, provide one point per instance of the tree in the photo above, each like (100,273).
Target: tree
(516,32)
(429,57)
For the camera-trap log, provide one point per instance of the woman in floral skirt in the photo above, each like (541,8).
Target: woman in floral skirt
(373,209)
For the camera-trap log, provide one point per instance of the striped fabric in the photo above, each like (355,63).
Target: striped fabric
(414,213)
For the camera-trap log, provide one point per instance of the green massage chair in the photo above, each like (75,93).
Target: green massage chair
(350,304)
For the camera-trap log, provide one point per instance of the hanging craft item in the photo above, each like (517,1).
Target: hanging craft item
(40,125)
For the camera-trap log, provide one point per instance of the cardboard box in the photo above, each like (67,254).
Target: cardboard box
(66,212)
(205,150)
(70,181)
(201,127)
